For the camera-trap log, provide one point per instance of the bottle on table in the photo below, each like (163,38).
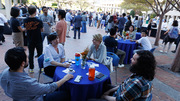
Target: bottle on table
(91,73)
(77,59)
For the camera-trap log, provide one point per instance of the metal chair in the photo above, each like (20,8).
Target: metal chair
(115,61)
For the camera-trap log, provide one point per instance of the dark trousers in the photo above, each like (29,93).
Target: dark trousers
(58,96)
(77,29)
(121,54)
(49,71)
(90,21)
(31,47)
(1,32)
(120,30)
(44,35)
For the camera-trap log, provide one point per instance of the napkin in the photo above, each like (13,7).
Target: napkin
(66,70)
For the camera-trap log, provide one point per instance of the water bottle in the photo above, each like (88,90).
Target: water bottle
(77,59)
(91,73)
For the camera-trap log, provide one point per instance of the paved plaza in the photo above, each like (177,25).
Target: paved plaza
(166,83)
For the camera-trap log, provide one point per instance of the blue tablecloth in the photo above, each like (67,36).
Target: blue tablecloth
(138,35)
(128,47)
(85,89)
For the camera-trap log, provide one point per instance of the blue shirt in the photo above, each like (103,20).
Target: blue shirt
(21,87)
(68,17)
(121,21)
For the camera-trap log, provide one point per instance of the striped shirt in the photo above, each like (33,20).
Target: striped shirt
(134,88)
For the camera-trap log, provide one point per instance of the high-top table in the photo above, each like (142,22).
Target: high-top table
(85,89)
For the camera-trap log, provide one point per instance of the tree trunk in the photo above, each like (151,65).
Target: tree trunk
(158,33)
(176,62)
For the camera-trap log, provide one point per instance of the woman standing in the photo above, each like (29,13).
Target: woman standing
(84,19)
(17,30)
(128,24)
(149,27)
(110,24)
(171,36)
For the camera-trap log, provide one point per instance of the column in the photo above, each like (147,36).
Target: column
(8,5)
(15,2)
(1,4)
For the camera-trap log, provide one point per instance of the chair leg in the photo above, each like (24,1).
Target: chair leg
(116,74)
(39,74)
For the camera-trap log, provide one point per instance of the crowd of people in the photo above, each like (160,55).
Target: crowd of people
(38,25)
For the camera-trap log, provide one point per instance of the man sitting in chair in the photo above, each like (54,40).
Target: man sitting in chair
(138,86)
(18,85)
(111,45)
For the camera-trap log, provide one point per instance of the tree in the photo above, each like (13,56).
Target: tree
(160,8)
(176,62)
(132,13)
(137,5)
(83,4)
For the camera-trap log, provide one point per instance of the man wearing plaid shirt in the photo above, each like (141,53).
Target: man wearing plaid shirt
(139,85)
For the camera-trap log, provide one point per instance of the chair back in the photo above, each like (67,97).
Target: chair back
(115,58)
(152,50)
(40,61)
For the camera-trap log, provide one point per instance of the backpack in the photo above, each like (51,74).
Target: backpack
(173,33)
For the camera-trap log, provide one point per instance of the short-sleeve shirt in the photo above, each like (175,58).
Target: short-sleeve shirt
(146,44)
(15,24)
(111,42)
(50,54)
(121,21)
(2,19)
(33,26)
(61,26)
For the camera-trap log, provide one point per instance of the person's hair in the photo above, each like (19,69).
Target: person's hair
(129,18)
(31,10)
(97,37)
(62,13)
(131,26)
(145,66)
(52,37)
(14,57)
(112,31)
(175,23)
(84,13)
(124,14)
(150,21)
(136,18)
(144,31)
(44,7)
(110,19)
(14,12)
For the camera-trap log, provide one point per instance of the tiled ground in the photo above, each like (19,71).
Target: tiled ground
(166,83)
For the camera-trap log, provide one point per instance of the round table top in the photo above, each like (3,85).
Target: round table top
(78,71)
(127,41)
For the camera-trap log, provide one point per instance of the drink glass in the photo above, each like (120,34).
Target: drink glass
(71,70)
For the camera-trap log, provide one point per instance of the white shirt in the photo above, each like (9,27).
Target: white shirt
(2,19)
(145,43)
(50,54)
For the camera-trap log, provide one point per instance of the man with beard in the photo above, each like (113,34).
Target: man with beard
(18,85)
(139,85)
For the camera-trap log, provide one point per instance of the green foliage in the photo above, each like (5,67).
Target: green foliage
(23,1)
(34,3)
(132,13)
(54,4)
(99,10)
(153,15)
(83,4)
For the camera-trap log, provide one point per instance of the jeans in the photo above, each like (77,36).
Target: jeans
(1,32)
(77,29)
(31,47)
(95,23)
(90,21)
(68,27)
(44,35)
(83,30)
(58,96)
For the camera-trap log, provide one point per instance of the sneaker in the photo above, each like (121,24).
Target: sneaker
(31,71)
(161,51)
(173,51)
(68,37)
(36,56)
(42,70)
(0,43)
(120,66)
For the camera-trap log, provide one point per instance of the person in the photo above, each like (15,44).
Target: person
(17,30)
(99,18)
(132,33)
(111,45)
(129,23)
(138,86)
(121,22)
(77,25)
(103,20)
(164,24)
(139,24)
(18,85)
(34,27)
(144,42)
(68,21)
(98,49)
(177,43)
(110,24)
(3,21)
(61,27)
(54,55)
(172,35)
(90,19)
(135,22)
(84,19)
(47,22)
(149,27)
